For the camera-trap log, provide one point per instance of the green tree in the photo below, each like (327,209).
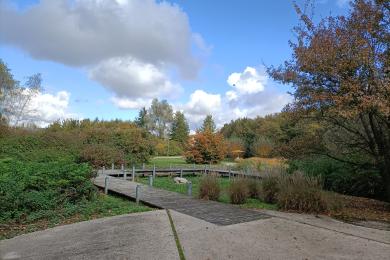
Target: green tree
(159,118)
(180,128)
(340,71)
(15,99)
(208,124)
(142,117)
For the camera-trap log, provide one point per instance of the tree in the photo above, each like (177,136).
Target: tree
(340,72)
(15,100)
(180,128)
(159,118)
(208,124)
(206,147)
(140,121)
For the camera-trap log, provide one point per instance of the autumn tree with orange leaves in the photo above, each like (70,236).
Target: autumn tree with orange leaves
(340,72)
(206,147)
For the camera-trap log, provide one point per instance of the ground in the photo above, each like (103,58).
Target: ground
(102,206)
(149,236)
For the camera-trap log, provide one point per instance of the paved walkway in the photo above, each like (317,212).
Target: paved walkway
(210,211)
(148,235)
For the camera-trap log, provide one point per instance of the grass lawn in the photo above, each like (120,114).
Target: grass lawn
(167,183)
(166,161)
(102,206)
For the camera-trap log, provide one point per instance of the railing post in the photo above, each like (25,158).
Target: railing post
(103,169)
(143,166)
(106,185)
(133,174)
(181,173)
(154,171)
(112,166)
(137,193)
(124,174)
(230,172)
(189,188)
(150,181)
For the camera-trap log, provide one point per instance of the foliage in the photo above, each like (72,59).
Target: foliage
(340,72)
(269,188)
(262,165)
(159,118)
(31,187)
(15,99)
(340,177)
(180,128)
(141,120)
(209,188)
(206,147)
(101,155)
(167,147)
(235,148)
(208,125)
(301,193)
(254,188)
(238,191)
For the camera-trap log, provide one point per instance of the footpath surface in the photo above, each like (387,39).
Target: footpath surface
(148,235)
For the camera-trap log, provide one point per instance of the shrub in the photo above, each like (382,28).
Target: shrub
(100,154)
(254,188)
(269,188)
(238,191)
(301,193)
(209,188)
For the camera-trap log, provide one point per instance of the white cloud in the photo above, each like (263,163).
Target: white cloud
(45,108)
(129,78)
(130,47)
(85,32)
(247,82)
(199,105)
(253,95)
(128,103)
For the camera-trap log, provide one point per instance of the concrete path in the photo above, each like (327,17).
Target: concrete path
(210,211)
(136,236)
(149,235)
(280,237)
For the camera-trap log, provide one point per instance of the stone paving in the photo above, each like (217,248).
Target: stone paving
(210,211)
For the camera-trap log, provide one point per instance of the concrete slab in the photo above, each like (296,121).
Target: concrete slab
(145,235)
(380,235)
(273,238)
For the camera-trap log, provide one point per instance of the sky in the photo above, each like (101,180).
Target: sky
(107,59)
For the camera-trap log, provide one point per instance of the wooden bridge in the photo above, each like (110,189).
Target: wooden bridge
(181,171)
(210,211)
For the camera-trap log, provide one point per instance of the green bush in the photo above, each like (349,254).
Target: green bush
(31,187)
(341,177)
(209,188)
(301,193)
(238,191)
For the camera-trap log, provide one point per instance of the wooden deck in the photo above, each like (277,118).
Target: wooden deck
(210,211)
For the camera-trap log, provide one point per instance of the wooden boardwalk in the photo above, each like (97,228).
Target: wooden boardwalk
(210,211)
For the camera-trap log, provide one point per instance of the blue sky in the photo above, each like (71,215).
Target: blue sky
(205,57)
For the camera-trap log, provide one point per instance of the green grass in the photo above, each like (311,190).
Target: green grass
(101,206)
(166,161)
(167,183)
